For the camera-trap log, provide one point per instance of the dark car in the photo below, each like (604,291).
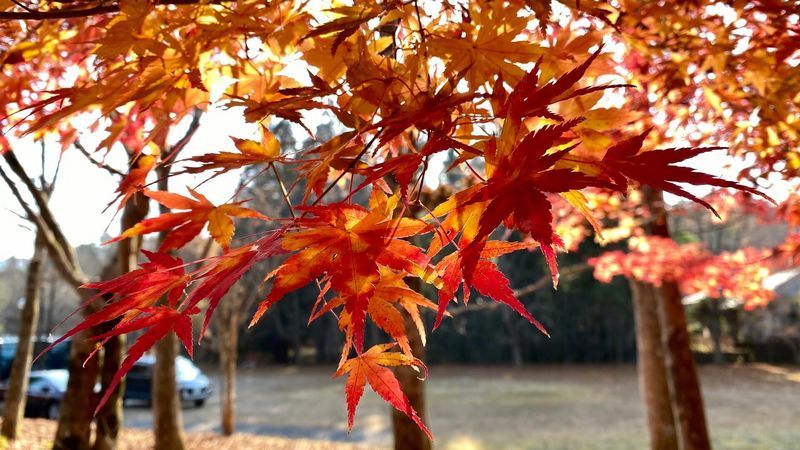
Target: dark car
(56,358)
(193,386)
(45,390)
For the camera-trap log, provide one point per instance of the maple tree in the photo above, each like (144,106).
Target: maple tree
(518,90)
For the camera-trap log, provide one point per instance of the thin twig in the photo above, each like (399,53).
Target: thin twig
(97,163)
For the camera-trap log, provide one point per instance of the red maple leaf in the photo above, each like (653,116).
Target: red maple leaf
(370,367)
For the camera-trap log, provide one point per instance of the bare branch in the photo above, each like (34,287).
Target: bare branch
(543,282)
(69,271)
(187,137)
(44,210)
(97,163)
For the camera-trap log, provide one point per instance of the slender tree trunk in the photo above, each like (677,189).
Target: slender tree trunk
(167,425)
(715,327)
(687,396)
(109,418)
(77,406)
(167,414)
(20,368)
(650,363)
(514,337)
(228,342)
(407,435)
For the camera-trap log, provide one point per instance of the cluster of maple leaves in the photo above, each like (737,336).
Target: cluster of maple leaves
(518,107)
(738,275)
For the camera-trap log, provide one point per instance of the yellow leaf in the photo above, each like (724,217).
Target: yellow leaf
(220,227)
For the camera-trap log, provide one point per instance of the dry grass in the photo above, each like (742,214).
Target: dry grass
(37,434)
(480,408)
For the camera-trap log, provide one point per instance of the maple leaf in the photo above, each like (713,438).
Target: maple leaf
(528,99)
(135,180)
(349,243)
(215,279)
(403,167)
(515,194)
(391,293)
(133,291)
(132,307)
(250,152)
(487,280)
(371,367)
(351,18)
(184,226)
(656,168)
(156,321)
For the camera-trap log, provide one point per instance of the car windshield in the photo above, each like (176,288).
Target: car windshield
(57,378)
(185,369)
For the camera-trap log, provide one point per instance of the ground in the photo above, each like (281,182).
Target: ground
(537,407)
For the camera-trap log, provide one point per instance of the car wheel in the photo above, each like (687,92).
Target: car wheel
(200,402)
(54,411)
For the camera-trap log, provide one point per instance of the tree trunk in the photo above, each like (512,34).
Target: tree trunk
(167,415)
(514,336)
(109,418)
(228,342)
(407,435)
(715,328)
(650,363)
(167,419)
(20,368)
(687,397)
(77,406)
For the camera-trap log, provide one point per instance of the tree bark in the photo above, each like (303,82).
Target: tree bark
(20,368)
(715,328)
(228,342)
(77,406)
(167,415)
(109,418)
(407,435)
(687,396)
(167,424)
(650,363)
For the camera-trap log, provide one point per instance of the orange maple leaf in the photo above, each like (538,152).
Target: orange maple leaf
(371,367)
(184,226)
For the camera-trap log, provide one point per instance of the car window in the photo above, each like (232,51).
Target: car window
(8,350)
(59,379)
(37,383)
(139,370)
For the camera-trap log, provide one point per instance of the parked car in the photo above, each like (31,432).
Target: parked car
(45,391)
(56,358)
(193,385)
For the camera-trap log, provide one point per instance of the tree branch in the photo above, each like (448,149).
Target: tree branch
(182,142)
(69,271)
(541,283)
(44,210)
(97,163)
(545,280)
(85,12)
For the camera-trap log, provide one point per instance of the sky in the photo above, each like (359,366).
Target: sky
(83,190)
